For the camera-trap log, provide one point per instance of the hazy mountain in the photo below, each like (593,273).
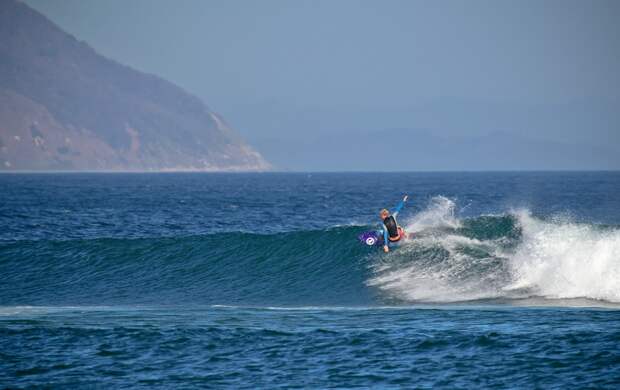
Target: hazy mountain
(423,150)
(63,106)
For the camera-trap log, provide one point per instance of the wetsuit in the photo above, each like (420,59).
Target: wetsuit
(389,225)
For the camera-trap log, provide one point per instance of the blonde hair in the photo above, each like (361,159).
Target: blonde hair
(384,211)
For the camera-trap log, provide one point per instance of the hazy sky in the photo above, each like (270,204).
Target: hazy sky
(547,69)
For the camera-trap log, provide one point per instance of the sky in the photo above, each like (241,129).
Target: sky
(291,75)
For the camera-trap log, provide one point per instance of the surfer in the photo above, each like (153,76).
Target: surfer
(391,231)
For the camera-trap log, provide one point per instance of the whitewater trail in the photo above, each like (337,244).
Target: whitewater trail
(456,259)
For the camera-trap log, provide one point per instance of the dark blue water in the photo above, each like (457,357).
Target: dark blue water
(258,281)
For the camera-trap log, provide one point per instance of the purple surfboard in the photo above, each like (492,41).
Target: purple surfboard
(375,238)
(371,238)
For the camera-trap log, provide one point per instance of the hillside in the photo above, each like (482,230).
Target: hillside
(65,107)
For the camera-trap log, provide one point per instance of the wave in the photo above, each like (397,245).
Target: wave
(491,257)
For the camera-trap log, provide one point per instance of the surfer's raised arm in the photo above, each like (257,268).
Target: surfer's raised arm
(399,206)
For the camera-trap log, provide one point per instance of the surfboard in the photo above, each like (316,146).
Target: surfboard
(375,237)
(371,238)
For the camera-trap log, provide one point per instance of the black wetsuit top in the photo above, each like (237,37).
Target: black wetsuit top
(391,226)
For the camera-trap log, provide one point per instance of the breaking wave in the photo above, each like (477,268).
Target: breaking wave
(504,258)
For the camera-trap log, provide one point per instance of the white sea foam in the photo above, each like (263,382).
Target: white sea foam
(563,259)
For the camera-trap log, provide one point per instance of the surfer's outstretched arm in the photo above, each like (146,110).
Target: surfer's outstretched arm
(399,206)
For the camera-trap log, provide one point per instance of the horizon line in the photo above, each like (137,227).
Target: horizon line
(13,172)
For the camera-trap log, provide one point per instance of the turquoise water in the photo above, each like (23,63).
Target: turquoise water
(258,281)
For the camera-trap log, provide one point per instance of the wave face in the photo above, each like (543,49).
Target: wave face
(224,268)
(509,257)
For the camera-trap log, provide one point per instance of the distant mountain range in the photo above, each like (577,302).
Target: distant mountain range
(440,134)
(422,150)
(65,107)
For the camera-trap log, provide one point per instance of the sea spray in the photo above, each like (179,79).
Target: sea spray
(439,213)
(563,259)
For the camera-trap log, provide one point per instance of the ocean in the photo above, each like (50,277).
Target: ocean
(190,280)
